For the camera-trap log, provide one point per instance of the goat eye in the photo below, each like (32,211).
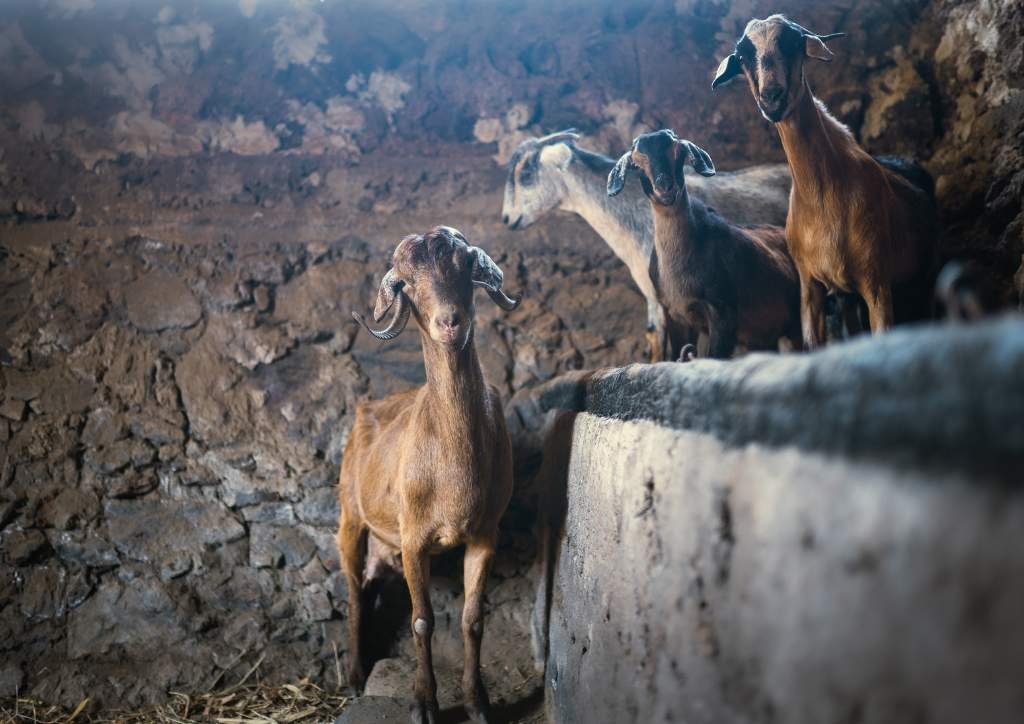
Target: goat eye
(526,175)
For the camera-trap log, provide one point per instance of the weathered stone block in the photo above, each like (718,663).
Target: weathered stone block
(160,300)
(272,546)
(154,530)
(20,546)
(319,507)
(12,409)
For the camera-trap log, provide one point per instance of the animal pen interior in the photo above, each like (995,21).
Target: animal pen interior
(195,197)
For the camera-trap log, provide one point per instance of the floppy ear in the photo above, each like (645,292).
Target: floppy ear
(727,70)
(699,159)
(390,285)
(814,46)
(617,176)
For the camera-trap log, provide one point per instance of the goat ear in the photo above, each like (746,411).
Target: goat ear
(390,285)
(699,159)
(617,176)
(814,46)
(558,155)
(728,69)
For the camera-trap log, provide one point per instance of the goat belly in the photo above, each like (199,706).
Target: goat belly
(761,324)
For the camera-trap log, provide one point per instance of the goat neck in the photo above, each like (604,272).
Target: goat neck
(586,182)
(455,380)
(816,144)
(675,236)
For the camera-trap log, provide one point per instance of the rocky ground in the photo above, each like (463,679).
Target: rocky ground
(192,200)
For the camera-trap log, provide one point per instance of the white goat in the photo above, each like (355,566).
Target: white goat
(553,173)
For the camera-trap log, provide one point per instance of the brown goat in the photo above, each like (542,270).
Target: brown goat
(431,468)
(855,224)
(736,284)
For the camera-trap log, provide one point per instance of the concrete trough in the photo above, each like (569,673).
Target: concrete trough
(834,537)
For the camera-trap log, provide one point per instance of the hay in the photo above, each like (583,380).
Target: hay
(240,703)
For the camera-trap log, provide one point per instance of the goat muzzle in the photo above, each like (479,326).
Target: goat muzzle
(664,197)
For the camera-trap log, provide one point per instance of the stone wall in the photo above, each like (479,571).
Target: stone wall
(822,538)
(119,89)
(194,196)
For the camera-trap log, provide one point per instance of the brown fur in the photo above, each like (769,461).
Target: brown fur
(736,284)
(431,468)
(853,224)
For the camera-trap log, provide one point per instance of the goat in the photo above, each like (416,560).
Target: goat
(734,283)
(431,468)
(855,224)
(553,172)
(956,290)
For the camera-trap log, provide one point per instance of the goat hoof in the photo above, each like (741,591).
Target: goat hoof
(357,679)
(424,712)
(687,353)
(477,705)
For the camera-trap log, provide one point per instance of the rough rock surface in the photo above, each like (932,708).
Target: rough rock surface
(193,198)
(371,709)
(135,91)
(160,300)
(713,570)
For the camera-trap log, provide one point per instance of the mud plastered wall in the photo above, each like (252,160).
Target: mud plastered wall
(193,198)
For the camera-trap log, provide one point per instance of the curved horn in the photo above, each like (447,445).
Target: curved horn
(389,287)
(397,324)
(815,44)
(488,276)
(500,298)
(570,135)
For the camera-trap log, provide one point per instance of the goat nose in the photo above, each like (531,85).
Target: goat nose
(504,218)
(449,321)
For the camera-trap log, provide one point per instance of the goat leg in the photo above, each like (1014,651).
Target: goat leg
(416,564)
(812,312)
(352,540)
(879,301)
(475,566)
(721,333)
(654,345)
(658,341)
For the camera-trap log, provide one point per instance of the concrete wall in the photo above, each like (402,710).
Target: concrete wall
(708,573)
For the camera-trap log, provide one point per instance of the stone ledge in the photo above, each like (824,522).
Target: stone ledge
(933,396)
